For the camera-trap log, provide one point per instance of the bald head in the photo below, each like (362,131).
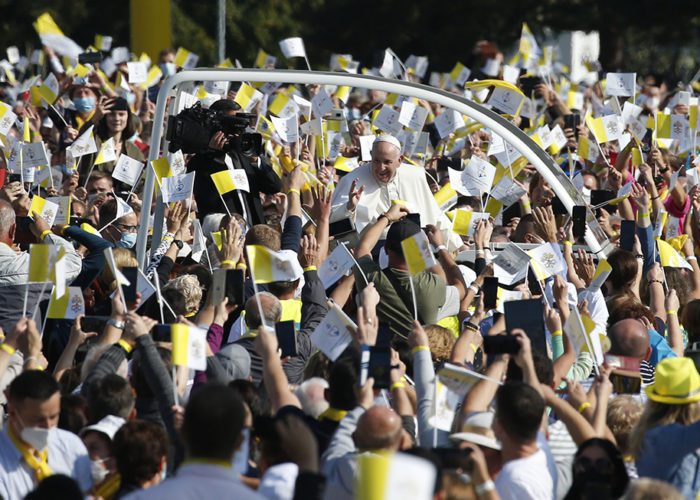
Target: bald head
(272,308)
(7,221)
(629,337)
(379,428)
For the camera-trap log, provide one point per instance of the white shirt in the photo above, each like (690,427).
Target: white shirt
(278,482)
(14,267)
(198,481)
(67,455)
(533,477)
(408,184)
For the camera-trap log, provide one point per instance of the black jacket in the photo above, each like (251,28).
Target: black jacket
(262,179)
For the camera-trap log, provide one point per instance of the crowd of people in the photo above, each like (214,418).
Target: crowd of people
(391,301)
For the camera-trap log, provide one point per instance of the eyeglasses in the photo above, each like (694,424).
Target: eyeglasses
(127,228)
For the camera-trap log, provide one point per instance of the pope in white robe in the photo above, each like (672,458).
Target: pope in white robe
(368,191)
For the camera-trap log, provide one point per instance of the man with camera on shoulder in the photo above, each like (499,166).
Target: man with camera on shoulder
(230,147)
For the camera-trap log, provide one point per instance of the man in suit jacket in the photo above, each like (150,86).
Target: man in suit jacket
(261,177)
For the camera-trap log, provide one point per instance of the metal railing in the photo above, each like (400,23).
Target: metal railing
(539,159)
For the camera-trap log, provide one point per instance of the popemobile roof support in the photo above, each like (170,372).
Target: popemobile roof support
(545,165)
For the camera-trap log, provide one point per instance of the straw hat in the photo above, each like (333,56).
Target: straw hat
(676,382)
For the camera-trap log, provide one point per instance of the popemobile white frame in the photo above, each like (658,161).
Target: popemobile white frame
(545,165)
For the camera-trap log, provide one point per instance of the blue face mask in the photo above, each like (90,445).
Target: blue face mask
(84,104)
(167,69)
(127,240)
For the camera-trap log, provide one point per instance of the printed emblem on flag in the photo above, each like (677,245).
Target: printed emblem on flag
(549,260)
(331,330)
(76,304)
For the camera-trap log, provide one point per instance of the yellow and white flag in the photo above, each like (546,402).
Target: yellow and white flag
(154,75)
(397,476)
(46,209)
(446,197)
(601,274)
(83,145)
(282,105)
(52,36)
(546,260)
(162,169)
(49,89)
(247,97)
(345,164)
(189,346)
(417,253)
(63,214)
(7,118)
(268,266)
(459,74)
(586,149)
(660,223)
(185,59)
(464,221)
(103,42)
(264,60)
(528,47)
(229,180)
(70,306)
(669,257)
(607,128)
(107,152)
(42,262)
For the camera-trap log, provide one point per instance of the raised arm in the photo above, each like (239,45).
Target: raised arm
(274,378)
(373,232)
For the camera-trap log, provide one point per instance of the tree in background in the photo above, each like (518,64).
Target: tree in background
(640,35)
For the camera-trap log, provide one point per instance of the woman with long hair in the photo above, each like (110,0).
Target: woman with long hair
(598,471)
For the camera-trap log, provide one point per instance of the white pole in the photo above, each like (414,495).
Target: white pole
(221,31)
(509,132)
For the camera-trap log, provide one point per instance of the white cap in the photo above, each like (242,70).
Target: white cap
(388,138)
(108,426)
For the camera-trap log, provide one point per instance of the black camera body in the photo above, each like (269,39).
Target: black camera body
(192,129)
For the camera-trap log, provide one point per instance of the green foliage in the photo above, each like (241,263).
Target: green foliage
(636,35)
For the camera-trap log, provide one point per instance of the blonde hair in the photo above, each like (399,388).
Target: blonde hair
(441,341)
(188,285)
(658,414)
(649,489)
(123,257)
(623,414)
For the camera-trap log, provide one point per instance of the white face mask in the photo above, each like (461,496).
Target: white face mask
(653,102)
(98,471)
(36,437)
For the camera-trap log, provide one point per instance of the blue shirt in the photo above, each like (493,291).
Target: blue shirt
(67,455)
(670,454)
(659,348)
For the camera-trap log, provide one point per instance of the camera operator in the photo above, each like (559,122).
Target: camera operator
(261,176)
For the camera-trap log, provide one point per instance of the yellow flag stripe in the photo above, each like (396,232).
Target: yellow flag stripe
(260,260)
